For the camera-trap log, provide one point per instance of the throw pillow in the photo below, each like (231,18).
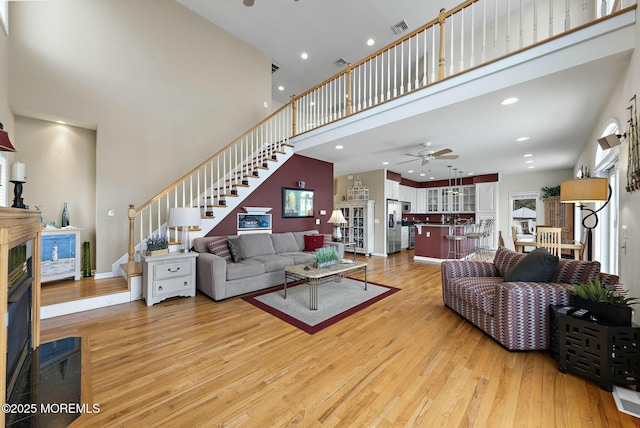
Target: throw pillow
(537,266)
(218,245)
(313,242)
(235,249)
(328,238)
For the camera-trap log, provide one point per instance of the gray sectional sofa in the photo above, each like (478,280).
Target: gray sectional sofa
(259,263)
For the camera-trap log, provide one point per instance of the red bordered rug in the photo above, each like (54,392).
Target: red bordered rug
(336,301)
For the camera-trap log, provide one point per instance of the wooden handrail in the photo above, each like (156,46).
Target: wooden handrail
(216,154)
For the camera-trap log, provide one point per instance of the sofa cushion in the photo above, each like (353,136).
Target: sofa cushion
(244,269)
(576,272)
(313,242)
(300,237)
(300,258)
(478,291)
(537,266)
(284,242)
(256,244)
(274,262)
(505,259)
(235,249)
(219,246)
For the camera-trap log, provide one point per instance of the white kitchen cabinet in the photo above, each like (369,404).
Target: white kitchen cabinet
(408,194)
(360,225)
(421,201)
(392,189)
(487,197)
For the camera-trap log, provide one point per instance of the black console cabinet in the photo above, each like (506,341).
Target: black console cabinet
(605,354)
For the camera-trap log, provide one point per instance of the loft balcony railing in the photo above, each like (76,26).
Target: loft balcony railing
(468,36)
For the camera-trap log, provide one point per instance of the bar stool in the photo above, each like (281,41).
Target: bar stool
(475,236)
(485,241)
(455,244)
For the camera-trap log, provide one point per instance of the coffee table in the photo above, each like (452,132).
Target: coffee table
(315,276)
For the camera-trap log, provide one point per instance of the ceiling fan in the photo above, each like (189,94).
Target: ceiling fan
(426,155)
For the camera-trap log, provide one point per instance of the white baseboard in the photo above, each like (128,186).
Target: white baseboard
(75,306)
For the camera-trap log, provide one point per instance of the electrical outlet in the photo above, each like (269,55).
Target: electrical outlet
(428,234)
(317,221)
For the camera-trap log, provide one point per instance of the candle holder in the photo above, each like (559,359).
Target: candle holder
(17,195)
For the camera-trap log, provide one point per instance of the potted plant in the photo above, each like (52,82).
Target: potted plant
(550,192)
(157,245)
(607,303)
(326,256)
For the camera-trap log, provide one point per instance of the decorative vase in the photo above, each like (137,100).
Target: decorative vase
(604,312)
(65,216)
(86,259)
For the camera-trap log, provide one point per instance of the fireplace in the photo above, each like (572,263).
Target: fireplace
(19,317)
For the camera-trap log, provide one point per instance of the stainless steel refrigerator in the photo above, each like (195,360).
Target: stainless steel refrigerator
(394,225)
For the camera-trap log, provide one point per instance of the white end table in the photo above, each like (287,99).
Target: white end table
(168,275)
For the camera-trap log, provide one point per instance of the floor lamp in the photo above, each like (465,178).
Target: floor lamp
(585,190)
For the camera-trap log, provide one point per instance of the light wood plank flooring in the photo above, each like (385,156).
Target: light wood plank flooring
(54,292)
(405,361)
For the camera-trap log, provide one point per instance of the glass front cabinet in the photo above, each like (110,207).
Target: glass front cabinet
(360,225)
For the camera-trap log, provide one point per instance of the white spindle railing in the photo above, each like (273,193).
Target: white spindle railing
(415,61)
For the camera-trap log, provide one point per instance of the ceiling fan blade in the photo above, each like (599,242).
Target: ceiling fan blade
(441,152)
(412,160)
(447,157)
(415,156)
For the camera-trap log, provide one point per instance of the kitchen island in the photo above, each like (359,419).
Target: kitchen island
(431,244)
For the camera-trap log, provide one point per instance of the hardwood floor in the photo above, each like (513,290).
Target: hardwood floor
(404,361)
(67,290)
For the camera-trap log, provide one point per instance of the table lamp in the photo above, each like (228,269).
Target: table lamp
(337,219)
(583,190)
(184,217)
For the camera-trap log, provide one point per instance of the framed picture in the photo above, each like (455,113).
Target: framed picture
(297,203)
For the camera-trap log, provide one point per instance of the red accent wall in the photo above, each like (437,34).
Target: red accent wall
(317,175)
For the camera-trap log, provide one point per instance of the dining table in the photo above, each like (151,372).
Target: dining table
(574,246)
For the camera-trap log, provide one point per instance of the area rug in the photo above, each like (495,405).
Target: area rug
(336,301)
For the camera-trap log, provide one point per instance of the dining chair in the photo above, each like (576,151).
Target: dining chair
(583,243)
(549,238)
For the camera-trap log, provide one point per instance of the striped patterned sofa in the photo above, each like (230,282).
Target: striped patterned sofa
(516,314)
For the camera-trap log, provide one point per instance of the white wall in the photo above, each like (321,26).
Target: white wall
(163,88)
(64,159)
(6,117)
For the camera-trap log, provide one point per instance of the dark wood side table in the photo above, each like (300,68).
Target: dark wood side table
(605,354)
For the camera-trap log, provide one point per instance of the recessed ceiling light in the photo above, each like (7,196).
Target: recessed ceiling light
(422,174)
(432,178)
(529,161)
(508,101)
(281,88)
(304,55)
(339,147)
(522,139)
(528,155)
(61,122)
(531,167)
(385,163)
(470,173)
(410,171)
(371,42)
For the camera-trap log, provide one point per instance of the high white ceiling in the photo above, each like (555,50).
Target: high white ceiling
(557,111)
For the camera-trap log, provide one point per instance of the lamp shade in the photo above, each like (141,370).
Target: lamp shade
(5,144)
(337,217)
(184,216)
(583,190)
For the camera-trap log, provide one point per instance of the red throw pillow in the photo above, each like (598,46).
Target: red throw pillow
(313,242)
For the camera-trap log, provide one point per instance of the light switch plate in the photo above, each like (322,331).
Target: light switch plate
(317,221)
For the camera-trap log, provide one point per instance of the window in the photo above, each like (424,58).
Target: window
(523,212)
(4,15)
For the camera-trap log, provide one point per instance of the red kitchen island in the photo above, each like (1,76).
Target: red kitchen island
(431,244)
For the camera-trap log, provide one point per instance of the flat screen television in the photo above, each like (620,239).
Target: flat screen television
(297,203)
